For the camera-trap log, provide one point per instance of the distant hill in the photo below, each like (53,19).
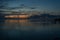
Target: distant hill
(44,17)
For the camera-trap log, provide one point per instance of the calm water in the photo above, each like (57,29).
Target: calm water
(27,30)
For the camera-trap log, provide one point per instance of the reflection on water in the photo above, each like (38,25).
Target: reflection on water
(17,24)
(27,30)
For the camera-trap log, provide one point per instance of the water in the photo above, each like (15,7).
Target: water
(27,30)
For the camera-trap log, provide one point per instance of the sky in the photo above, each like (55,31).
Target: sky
(37,5)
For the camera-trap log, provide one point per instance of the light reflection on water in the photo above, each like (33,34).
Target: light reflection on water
(27,30)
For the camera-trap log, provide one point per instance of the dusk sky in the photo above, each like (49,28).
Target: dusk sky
(39,5)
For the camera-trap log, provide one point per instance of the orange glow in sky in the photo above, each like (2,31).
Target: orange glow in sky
(17,16)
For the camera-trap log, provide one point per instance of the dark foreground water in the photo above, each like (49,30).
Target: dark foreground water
(27,30)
